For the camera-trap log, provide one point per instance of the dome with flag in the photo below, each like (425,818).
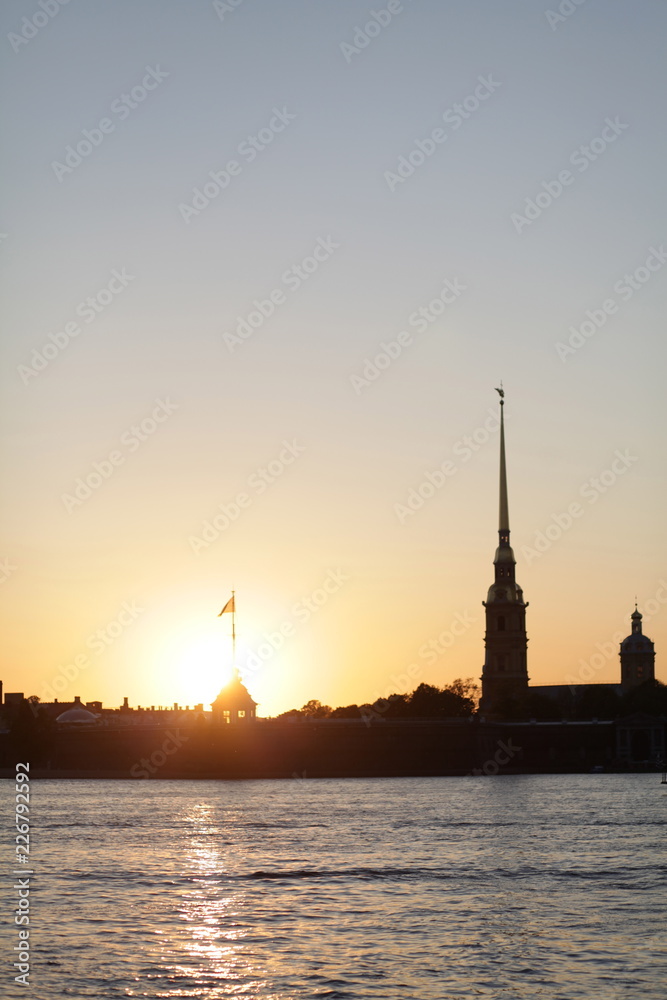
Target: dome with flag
(234,703)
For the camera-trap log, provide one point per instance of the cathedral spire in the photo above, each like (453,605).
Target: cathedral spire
(505,673)
(504,518)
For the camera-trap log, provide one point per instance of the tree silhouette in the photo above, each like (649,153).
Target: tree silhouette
(457,700)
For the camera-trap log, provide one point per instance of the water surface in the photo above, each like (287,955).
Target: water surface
(429,888)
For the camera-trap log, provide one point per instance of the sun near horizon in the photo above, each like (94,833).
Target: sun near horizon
(287,654)
(254,341)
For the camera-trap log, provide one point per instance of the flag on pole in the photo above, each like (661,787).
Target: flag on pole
(229,606)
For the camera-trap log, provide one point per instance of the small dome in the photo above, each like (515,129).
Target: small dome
(234,695)
(505,590)
(636,643)
(77,716)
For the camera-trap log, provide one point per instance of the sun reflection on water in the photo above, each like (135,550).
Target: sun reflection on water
(212,956)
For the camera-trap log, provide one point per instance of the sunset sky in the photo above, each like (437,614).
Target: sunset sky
(497,168)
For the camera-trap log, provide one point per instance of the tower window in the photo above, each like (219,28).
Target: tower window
(501,624)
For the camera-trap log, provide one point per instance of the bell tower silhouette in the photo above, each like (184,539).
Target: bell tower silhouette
(637,655)
(505,671)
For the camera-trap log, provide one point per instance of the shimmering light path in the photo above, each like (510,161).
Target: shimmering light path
(437,889)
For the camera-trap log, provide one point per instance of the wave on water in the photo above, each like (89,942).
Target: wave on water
(639,876)
(112,824)
(444,874)
(282,825)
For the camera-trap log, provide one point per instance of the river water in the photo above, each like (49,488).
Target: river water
(506,887)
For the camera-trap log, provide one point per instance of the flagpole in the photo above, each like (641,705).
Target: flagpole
(232,608)
(233,632)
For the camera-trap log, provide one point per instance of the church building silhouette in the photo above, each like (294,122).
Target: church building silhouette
(506,692)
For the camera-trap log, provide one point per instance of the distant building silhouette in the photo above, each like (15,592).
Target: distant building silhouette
(77,715)
(505,672)
(505,689)
(637,655)
(234,703)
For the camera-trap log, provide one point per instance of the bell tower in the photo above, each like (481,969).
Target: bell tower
(637,655)
(505,671)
